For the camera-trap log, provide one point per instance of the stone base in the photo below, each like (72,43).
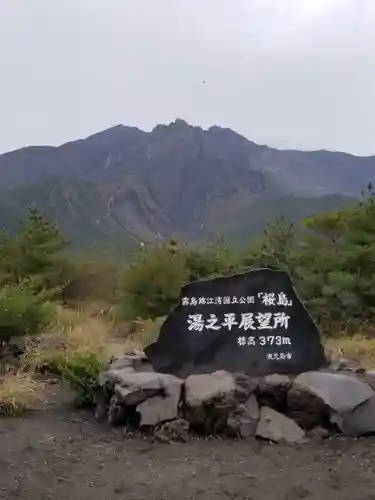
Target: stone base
(276,408)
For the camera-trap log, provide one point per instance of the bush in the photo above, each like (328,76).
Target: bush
(77,350)
(80,372)
(92,281)
(331,262)
(208,262)
(22,312)
(152,283)
(275,248)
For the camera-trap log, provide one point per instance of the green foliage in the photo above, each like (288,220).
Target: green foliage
(151,284)
(274,249)
(332,263)
(342,261)
(80,373)
(93,281)
(35,253)
(331,260)
(208,262)
(32,273)
(22,311)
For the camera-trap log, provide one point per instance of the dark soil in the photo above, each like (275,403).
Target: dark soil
(64,454)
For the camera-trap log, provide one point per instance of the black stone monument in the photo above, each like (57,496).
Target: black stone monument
(251,322)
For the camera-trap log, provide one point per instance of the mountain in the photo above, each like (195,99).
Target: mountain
(127,185)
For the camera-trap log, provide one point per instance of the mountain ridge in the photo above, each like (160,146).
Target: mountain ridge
(176,180)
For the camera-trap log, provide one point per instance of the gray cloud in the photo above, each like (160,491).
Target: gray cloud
(288,73)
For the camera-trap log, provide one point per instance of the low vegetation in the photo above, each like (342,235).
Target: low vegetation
(19,392)
(75,315)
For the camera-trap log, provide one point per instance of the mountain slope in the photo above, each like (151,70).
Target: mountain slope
(294,209)
(177,180)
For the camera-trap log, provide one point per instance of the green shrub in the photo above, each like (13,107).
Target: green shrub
(152,283)
(331,262)
(22,312)
(93,281)
(208,262)
(80,372)
(275,248)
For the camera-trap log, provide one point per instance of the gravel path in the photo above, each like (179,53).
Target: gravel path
(62,454)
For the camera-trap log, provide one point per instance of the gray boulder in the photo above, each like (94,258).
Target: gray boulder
(124,394)
(358,422)
(137,361)
(201,390)
(314,396)
(134,388)
(272,391)
(278,428)
(244,387)
(209,399)
(158,409)
(242,422)
(108,379)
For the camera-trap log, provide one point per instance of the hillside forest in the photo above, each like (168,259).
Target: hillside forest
(330,258)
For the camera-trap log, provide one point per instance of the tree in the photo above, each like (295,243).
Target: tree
(35,254)
(337,266)
(274,248)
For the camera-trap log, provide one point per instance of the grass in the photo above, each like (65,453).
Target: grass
(67,342)
(141,334)
(19,393)
(76,348)
(358,348)
(80,343)
(79,333)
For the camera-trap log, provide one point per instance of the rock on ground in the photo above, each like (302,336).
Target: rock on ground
(161,408)
(133,388)
(209,399)
(314,396)
(244,386)
(272,391)
(339,392)
(242,422)
(154,396)
(137,361)
(276,427)
(359,422)
(204,389)
(173,432)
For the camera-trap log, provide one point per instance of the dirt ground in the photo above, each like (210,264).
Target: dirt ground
(63,454)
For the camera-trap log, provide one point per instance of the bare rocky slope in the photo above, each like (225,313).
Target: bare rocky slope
(177,180)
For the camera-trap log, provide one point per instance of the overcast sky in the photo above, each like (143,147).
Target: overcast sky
(287,73)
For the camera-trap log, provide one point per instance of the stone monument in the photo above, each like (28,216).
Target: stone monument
(251,322)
